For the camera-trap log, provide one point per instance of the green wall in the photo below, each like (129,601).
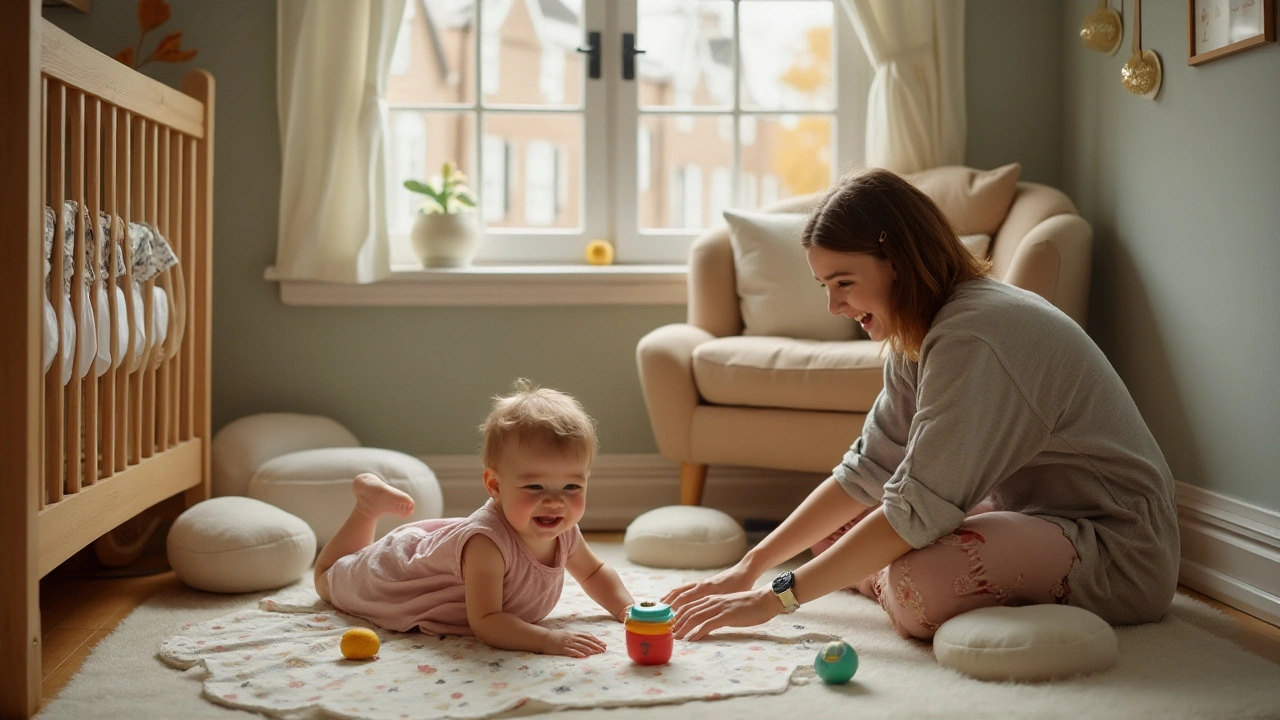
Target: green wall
(1183,193)
(1184,196)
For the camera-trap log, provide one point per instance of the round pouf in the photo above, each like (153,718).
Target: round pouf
(315,485)
(237,544)
(686,537)
(1029,643)
(242,446)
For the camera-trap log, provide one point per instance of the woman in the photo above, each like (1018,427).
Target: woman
(1003,463)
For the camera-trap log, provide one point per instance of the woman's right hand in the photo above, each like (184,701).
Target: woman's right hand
(731,580)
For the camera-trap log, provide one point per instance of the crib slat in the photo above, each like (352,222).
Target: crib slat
(189,234)
(148,366)
(162,374)
(108,411)
(178,319)
(74,429)
(55,158)
(137,156)
(120,233)
(93,156)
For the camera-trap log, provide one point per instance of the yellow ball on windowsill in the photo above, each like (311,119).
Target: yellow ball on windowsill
(599,252)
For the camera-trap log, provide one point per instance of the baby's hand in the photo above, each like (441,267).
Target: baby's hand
(572,644)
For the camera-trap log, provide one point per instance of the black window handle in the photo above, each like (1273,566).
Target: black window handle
(592,49)
(629,53)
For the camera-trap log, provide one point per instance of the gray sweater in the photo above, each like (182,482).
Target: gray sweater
(1011,400)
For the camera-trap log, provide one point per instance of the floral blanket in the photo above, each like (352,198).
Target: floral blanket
(283,659)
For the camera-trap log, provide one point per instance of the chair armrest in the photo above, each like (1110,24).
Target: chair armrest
(1054,260)
(665,360)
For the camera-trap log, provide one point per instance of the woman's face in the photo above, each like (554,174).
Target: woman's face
(857,285)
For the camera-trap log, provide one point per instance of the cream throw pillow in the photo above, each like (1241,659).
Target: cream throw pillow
(776,290)
(1028,644)
(975,201)
(977,245)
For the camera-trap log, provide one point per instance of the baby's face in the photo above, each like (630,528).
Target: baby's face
(541,490)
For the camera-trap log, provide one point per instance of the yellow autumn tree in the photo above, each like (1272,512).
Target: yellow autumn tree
(803,155)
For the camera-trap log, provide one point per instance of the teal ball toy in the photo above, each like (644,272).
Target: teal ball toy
(836,663)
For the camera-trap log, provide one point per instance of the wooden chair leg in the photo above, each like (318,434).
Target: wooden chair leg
(692,477)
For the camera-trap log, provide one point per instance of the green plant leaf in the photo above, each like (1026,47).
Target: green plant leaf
(465,199)
(419,187)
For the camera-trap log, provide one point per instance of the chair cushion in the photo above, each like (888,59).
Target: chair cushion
(315,485)
(785,373)
(975,201)
(684,536)
(237,544)
(241,447)
(776,290)
(1029,643)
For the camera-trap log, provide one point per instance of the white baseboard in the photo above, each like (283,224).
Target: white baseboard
(1230,549)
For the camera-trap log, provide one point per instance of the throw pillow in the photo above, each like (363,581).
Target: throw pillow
(776,290)
(684,536)
(1027,644)
(975,201)
(977,245)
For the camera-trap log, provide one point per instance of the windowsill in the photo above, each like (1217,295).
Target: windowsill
(492,285)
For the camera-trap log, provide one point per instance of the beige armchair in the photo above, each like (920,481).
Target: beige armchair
(715,396)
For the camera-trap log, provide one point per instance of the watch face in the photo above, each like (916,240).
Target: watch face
(783,582)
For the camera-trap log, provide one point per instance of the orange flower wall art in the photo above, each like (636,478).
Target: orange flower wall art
(151,15)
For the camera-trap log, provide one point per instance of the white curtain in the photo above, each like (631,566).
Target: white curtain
(915,111)
(332,62)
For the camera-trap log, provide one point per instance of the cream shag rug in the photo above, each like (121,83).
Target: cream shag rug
(1179,668)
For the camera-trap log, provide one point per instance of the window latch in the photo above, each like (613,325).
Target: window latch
(592,50)
(629,53)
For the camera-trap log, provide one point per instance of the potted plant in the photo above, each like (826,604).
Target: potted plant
(444,234)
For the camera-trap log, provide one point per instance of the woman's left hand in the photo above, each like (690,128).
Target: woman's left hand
(740,609)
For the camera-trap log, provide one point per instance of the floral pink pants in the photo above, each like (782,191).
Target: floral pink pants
(994,558)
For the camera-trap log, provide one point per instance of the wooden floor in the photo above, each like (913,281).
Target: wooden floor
(77,612)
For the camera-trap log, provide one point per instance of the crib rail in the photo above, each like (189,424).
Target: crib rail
(119,146)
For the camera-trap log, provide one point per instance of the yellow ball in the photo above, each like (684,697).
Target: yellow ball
(360,644)
(600,252)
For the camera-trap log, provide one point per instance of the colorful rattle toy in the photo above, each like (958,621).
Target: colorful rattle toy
(836,663)
(359,644)
(649,638)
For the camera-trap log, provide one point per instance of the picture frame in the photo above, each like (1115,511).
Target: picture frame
(1218,28)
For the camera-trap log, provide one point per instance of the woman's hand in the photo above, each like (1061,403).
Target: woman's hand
(731,580)
(739,609)
(572,644)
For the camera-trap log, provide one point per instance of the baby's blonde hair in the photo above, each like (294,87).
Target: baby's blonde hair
(538,416)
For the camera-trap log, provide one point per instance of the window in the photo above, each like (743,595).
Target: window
(733,103)
(495,192)
(542,182)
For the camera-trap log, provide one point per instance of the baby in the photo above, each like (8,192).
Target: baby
(498,572)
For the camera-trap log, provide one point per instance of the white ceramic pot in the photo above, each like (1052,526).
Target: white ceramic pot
(445,240)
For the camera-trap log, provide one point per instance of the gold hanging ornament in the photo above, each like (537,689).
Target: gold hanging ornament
(1102,29)
(1142,74)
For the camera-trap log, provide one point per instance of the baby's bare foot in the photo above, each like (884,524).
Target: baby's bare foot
(374,497)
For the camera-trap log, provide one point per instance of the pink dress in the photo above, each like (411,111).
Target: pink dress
(412,577)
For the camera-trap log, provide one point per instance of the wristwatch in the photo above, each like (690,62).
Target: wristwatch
(782,587)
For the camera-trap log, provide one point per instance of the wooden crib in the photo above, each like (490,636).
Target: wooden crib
(79,459)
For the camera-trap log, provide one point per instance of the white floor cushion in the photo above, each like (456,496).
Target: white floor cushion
(315,485)
(242,446)
(684,536)
(1028,643)
(237,544)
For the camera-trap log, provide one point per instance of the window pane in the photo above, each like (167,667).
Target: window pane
(434,58)
(787,63)
(529,52)
(419,144)
(686,154)
(791,156)
(688,53)
(542,166)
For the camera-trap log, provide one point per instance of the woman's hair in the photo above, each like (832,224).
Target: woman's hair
(878,213)
(537,416)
